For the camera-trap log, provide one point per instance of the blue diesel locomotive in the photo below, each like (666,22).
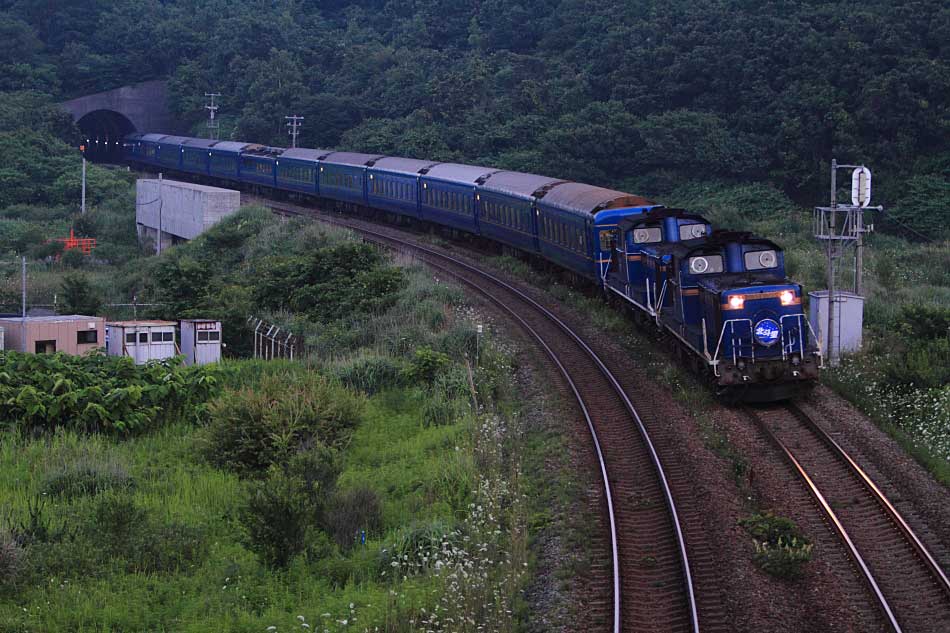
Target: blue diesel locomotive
(722,296)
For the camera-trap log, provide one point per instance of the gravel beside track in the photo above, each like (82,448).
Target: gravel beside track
(912,592)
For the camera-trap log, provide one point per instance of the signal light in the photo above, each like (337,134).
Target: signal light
(736,302)
(787,297)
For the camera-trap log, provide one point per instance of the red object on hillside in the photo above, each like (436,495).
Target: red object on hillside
(84,244)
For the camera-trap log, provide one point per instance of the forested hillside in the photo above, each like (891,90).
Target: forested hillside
(634,94)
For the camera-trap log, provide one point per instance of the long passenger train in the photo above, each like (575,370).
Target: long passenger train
(722,296)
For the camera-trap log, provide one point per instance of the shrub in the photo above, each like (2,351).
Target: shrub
(780,548)
(277,516)
(12,559)
(370,373)
(351,512)
(426,364)
(123,530)
(417,546)
(86,477)
(253,428)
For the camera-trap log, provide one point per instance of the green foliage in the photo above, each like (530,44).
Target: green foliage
(426,365)
(277,517)
(86,477)
(370,373)
(780,548)
(254,428)
(12,560)
(79,296)
(43,392)
(352,514)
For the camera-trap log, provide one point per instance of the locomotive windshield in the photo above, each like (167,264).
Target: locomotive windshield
(758,260)
(705,265)
(692,231)
(647,235)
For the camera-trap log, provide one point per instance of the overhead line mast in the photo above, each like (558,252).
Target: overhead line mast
(294,126)
(212,109)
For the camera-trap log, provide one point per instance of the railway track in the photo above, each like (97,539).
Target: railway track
(651,585)
(908,586)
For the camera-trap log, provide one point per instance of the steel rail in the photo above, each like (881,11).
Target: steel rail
(895,516)
(381,238)
(835,521)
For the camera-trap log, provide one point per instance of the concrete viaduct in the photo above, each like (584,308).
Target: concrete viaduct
(106,117)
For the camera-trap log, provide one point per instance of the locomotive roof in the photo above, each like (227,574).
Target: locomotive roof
(588,199)
(462,174)
(519,185)
(411,166)
(717,240)
(659,213)
(305,153)
(352,158)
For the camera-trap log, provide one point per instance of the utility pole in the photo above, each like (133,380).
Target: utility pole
(294,126)
(23,299)
(82,204)
(161,203)
(212,109)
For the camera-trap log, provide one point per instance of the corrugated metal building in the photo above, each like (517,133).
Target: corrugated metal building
(142,341)
(73,334)
(201,341)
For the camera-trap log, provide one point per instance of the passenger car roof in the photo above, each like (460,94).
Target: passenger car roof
(351,158)
(305,153)
(462,174)
(518,184)
(588,199)
(398,165)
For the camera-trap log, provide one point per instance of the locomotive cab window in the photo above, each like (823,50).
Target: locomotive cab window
(759,260)
(692,231)
(608,239)
(647,235)
(705,264)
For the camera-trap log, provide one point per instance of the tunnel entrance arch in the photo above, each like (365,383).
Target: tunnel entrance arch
(103,132)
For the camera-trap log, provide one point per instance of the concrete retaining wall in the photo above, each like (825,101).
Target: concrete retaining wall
(184,209)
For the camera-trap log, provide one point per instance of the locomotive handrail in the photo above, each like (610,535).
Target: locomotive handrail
(731,323)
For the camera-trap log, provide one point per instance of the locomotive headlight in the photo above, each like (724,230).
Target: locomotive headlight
(787,297)
(736,302)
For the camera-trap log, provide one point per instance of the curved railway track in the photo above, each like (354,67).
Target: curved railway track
(910,589)
(651,586)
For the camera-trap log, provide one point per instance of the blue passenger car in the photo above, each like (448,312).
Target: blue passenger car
(297,169)
(169,152)
(393,184)
(258,164)
(225,159)
(196,155)
(573,229)
(505,203)
(343,176)
(448,195)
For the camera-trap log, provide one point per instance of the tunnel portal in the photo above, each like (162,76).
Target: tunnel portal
(103,132)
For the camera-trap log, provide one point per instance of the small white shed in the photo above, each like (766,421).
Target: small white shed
(201,341)
(141,341)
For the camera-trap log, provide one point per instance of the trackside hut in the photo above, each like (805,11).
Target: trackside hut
(74,334)
(142,341)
